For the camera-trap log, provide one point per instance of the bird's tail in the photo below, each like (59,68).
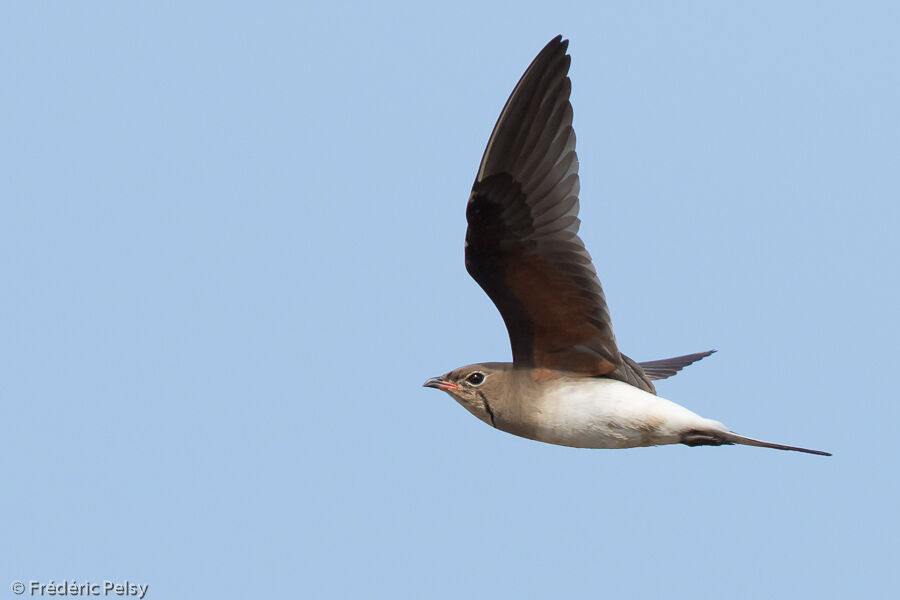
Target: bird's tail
(732,438)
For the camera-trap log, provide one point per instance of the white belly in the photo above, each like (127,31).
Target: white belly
(605,413)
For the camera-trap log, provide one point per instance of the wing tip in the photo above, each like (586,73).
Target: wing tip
(559,42)
(667,367)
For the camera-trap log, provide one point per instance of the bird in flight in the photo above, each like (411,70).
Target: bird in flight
(568,383)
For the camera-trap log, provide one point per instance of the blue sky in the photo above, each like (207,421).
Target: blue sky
(231,238)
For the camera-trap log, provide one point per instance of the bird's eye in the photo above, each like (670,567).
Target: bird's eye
(475,378)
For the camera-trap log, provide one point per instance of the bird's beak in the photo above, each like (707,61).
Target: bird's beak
(440,384)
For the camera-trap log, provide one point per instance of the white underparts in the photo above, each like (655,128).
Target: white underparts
(605,413)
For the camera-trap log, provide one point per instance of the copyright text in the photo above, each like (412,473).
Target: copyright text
(87,588)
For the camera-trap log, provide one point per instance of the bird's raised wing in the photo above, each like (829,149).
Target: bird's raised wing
(522,244)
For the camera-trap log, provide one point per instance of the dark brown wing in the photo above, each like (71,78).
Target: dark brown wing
(522,244)
(666,367)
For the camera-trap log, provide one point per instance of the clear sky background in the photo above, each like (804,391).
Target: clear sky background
(231,247)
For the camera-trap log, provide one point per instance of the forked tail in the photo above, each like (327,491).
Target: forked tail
(733,438)
(717,437)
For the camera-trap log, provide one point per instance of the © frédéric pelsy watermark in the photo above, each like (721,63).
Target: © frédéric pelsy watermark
(86,588)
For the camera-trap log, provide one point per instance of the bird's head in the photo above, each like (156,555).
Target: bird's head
(477,387)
